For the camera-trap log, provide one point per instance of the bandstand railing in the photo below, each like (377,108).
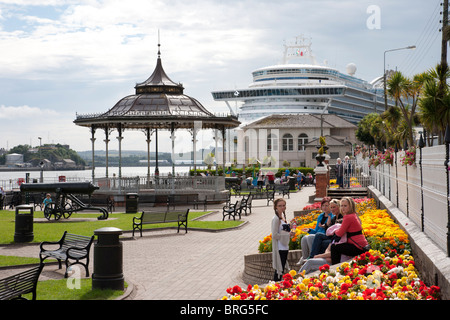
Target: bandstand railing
(161,184)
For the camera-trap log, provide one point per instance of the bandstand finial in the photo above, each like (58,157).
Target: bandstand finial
(159,46)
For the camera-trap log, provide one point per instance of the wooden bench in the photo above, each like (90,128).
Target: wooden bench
(269,194)
(246,203)
(182,199)
(13,287)
(71,246)
(232,210)
(213,198)
(283,189)
(161,217)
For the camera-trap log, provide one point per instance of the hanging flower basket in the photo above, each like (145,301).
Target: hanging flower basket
(389,156)
(409,158)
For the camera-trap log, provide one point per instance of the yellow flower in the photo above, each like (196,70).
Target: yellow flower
(292,273)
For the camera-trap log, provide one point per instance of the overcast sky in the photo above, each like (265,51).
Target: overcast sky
(62,57)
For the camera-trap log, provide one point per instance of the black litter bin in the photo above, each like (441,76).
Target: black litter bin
(24,223)
(292,181)
(108,260)
(131,202)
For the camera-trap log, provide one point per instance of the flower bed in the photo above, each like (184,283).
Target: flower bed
(353,183)
(386,272)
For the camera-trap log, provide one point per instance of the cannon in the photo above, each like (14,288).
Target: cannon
(65,202)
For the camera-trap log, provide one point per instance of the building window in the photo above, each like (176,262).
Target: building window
(288,142)
(302,141)
(272,142)
(334,155)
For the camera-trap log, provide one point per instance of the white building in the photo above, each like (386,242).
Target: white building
(292,138)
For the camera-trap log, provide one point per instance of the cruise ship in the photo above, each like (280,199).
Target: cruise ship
(289,88)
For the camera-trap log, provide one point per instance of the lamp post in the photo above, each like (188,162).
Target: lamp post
(384,73)
(421,145)
(40,161)
(447,143)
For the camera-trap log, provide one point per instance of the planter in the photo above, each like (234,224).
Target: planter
(320,159)
(303,212)
(258,267)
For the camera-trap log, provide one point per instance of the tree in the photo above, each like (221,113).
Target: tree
(434,104)
(406,93)
(363,131)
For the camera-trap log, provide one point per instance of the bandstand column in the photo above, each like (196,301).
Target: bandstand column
(107,152)
(156,165)
(120,138)
(194,147)
(216,137)
(148,154)
(223,148)
(93,153)
(172,137)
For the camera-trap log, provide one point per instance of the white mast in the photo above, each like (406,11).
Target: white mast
(300,48)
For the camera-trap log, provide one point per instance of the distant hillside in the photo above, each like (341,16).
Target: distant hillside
(87,155)
(52,152)
(129,157)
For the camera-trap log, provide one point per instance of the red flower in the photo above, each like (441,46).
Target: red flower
(234,290)
(325,267)
(344,287)
(287,284)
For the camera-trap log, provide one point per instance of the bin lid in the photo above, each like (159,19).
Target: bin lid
(108,230)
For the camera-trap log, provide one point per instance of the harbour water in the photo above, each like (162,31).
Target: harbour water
(10,179)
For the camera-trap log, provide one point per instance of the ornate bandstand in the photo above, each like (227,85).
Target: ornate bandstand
(158,104)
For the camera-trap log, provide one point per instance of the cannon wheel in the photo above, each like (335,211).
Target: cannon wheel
(67,210)
(50,210)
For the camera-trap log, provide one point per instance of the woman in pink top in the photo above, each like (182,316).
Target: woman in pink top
(351,226)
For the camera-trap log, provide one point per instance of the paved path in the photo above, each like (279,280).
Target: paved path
(197,265)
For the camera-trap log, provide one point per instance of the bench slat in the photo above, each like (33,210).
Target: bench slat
(22,283)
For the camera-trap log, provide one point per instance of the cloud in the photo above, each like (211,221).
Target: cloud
(24,112)
(85,55)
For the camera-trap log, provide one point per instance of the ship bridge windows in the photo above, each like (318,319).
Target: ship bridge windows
(227,95)
(320,71)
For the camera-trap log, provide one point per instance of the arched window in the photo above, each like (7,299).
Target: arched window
(288,142)
(272,142)
(302,141)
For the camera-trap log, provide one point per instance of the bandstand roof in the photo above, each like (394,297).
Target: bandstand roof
(158,103)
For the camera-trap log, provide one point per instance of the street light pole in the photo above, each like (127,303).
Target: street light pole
(40,161)
(384,73)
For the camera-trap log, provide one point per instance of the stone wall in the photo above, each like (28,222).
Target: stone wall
(431,261)
(258,267)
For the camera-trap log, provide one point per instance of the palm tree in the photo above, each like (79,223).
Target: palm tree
(392,117)
(434,104)
(406,93)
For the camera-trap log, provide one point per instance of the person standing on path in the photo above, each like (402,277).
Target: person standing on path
(339,170)
(280,239)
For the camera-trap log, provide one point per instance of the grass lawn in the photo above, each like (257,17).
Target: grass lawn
(67,289)
(52,231)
